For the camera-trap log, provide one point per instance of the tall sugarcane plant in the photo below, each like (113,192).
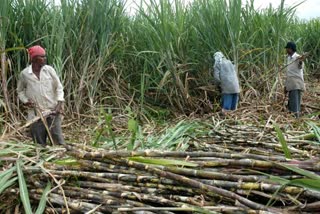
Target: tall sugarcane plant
(159,56)
(5,13)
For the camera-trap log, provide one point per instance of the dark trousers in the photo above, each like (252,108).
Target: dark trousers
(230,101)
(294,103)
(39,132)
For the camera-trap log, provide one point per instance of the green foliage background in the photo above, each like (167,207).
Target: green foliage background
(160,57)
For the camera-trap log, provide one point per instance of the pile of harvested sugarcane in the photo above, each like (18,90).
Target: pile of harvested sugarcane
(234,168)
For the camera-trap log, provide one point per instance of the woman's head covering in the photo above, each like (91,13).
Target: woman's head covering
(218,56)
(36,51)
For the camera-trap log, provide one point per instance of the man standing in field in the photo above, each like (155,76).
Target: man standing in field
(294,78)
(40,90)
(226,78)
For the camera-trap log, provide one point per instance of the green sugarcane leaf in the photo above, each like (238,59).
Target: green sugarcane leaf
(7,184)
(130,145)
(311,184)
(5,180)
(24,196)
(43,200)
(133,128)
(309,136)
(12,49)
(132,125)
(283,142)
(300,171)
(272,199)
(316,130)
(67,162)
(272,178)
(162,162)
(278,180)
(6,172)
(13,150)
(108,117)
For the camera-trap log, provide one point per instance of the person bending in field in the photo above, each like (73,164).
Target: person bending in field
(226,78)
(294,79)
(40,90)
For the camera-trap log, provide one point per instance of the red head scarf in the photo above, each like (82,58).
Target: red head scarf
(36,51)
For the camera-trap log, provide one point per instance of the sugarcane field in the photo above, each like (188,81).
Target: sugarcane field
(159,106)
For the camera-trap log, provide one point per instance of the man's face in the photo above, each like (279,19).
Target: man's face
(289,51)
(40,60)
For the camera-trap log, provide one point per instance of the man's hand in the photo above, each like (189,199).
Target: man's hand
(301,59)
(300,63)
(304,56)
(59,108)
